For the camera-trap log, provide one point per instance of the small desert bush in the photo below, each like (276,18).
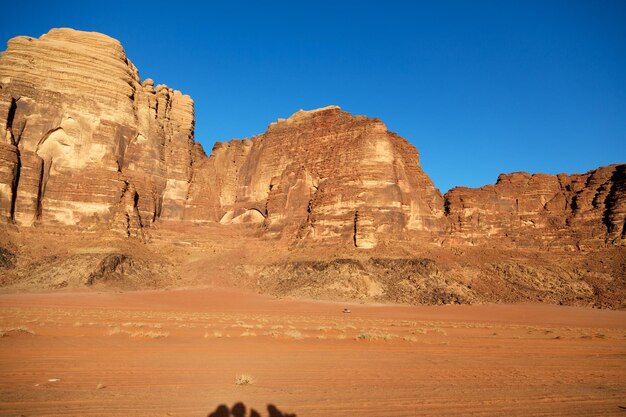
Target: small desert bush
(18,329)
(243,325)
(441,331)
(374,336)
(141,324)
(294,334)
(117,330)
(244,379)
(152,334)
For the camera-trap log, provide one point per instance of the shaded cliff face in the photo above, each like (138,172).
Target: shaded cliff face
(82,142)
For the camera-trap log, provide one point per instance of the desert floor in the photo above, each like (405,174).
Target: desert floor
(177,353)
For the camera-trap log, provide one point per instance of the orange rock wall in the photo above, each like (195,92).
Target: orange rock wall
(532,209)
(84,143)
(79,131)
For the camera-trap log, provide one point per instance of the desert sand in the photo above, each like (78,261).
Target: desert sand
(177,353)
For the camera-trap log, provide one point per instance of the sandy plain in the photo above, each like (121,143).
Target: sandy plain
(177,353)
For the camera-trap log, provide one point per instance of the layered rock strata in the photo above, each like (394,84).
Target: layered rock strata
(324,175)
(85,143)
(543,209)
(83,140)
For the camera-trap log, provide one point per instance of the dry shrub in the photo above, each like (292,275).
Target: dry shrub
(244,379)
(294,334)
(151,334)
(16,329)
(374,336)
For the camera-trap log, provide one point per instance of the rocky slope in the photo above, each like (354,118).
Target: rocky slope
(86,146)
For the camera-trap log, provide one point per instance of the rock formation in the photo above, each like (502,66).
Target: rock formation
(324,175)
(81,137)
(536,210)
(86,146)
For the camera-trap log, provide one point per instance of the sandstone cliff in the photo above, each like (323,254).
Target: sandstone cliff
(538,210)
(83,142)
(86,144)
(323,204)
(324,175)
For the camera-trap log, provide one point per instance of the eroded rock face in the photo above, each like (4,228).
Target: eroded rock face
(78,130)
(537,209)
(86,146)
(324,175)
(84,143)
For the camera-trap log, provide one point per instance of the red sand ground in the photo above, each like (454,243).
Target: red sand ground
(176,353)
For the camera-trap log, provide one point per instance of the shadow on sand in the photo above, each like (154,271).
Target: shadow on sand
(239,410)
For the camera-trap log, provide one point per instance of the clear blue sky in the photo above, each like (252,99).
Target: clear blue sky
(479,87)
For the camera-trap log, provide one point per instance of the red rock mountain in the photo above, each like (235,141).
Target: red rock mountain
(322,175)
(84,142)
(86,146)
(544,209)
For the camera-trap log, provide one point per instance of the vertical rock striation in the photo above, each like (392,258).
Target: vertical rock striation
(79,131)
(543,209)
(325,175)
(85,143)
